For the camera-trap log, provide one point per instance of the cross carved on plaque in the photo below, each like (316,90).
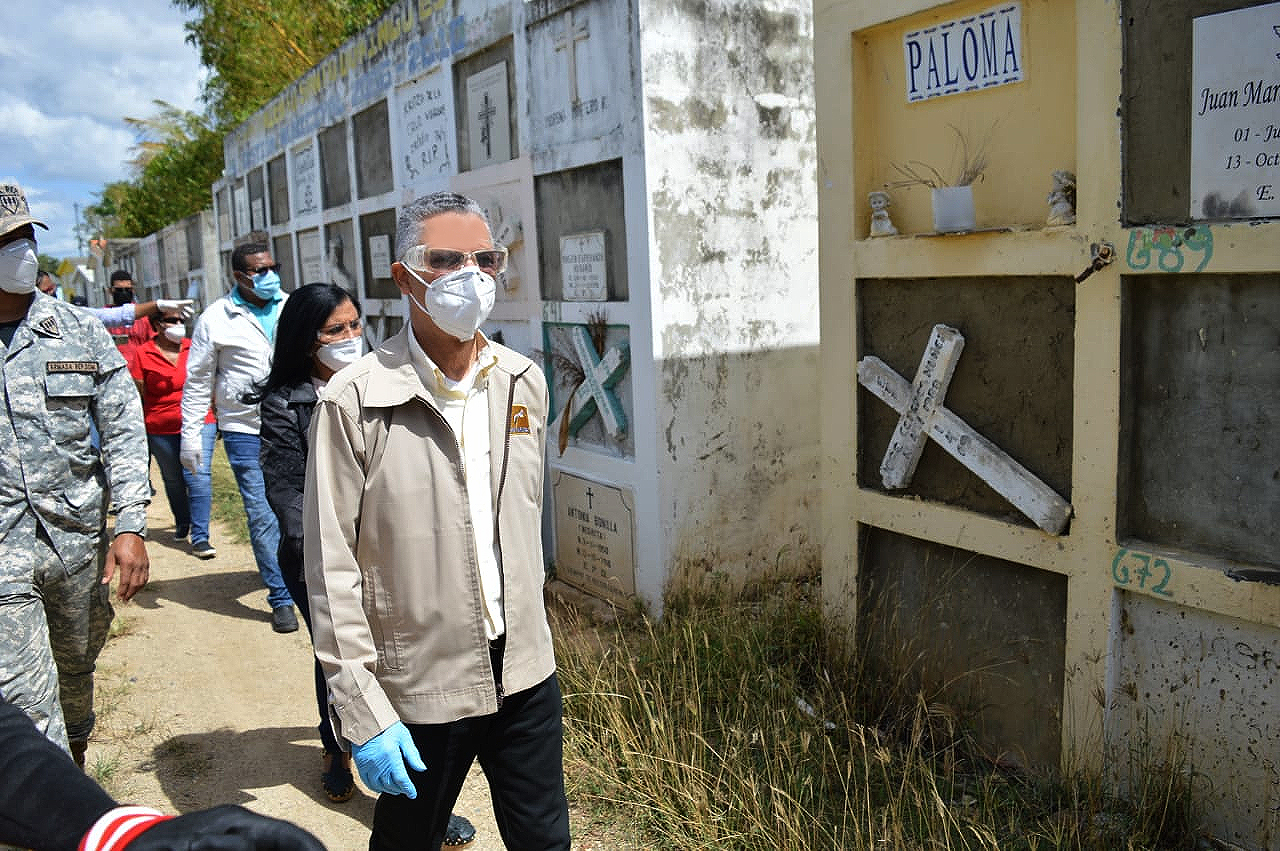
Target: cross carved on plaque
(567,41)
(923,416)
(486,114)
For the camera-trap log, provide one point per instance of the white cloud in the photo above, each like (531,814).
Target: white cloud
(69,74)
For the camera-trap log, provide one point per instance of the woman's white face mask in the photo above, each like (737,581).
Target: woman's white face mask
(175,333)
(342,353)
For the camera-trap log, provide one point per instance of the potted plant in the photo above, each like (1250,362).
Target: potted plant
(953,210)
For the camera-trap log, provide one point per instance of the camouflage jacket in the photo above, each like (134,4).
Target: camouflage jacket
(61,373)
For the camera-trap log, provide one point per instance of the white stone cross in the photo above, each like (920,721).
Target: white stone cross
(568,42)
(923,416)
(600,376)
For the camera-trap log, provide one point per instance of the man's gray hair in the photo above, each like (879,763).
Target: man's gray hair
(409,224)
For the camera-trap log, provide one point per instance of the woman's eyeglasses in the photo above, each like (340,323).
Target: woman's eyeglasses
(425,258)
(332,332)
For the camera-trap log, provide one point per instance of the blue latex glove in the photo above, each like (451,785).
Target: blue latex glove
(381,761)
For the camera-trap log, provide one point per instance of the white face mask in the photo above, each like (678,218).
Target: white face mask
(18,267)
(458,302)
(175,333)
(340,354)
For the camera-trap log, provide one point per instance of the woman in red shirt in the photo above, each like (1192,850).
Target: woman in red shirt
(159,367)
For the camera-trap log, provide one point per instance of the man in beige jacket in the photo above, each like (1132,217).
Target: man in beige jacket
(423,549)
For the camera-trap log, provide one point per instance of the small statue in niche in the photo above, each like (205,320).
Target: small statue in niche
(1062,200)
(881,224)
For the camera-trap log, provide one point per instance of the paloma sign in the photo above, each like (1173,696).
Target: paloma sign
(964,55)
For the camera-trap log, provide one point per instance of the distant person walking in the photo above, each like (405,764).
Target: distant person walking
(230,352)
(62,377)
(159,367)
(424,561)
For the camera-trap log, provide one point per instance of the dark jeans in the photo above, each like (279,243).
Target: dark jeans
(520,749)
(297,586)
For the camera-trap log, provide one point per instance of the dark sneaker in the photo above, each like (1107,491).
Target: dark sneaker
(283,619)
(181,532)
(336,778)
(77,753)
(460,832)
(203,549)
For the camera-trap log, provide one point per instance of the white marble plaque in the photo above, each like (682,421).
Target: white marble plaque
(1235,114)
(574,57)
(965,54)
(426,140)
(310,256)
(380,255)
(595,536)
(582,267)
(306,197)
(240,199)
(488,124)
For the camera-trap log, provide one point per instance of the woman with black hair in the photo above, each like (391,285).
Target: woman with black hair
(318,333)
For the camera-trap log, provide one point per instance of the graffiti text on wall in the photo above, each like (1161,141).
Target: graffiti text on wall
(1170,248)
(1142,570)
(414,36)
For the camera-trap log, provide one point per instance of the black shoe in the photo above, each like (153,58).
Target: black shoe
(336,778)
(181,532)
(460,832)
(283,619)
(77,754)
(203,549)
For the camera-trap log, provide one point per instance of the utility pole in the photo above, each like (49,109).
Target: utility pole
(79,231)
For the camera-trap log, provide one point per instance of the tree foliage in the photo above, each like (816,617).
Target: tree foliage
(254,48)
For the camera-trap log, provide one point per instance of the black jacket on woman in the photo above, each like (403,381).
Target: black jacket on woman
(286,418)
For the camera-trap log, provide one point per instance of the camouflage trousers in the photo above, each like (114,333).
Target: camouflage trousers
(55,625)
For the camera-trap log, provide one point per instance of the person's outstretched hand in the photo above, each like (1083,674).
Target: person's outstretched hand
(381,761)
(225,828)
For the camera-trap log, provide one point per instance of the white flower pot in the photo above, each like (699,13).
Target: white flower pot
(953,209)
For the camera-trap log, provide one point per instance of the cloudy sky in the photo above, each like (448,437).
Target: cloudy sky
(70,70)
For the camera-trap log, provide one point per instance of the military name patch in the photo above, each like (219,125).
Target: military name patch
(89,366)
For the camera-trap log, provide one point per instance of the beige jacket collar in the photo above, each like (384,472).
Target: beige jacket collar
(394,380)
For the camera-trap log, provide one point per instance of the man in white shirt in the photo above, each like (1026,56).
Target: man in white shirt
(231,351)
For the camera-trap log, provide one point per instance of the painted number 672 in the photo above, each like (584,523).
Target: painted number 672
(1130,568)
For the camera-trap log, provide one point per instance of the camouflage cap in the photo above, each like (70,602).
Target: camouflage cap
(14,212)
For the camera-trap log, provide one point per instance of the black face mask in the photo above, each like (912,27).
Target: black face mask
(121,296)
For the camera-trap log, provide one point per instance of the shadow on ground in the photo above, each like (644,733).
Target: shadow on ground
(219,593)
(199,770)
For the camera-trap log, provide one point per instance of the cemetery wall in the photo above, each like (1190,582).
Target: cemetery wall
(1051,452)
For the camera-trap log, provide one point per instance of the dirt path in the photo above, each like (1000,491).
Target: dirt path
(200,703)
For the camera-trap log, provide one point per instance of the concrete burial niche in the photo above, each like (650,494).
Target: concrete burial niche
(1200,467)
(1196,691)
(979,634)
(1012,383)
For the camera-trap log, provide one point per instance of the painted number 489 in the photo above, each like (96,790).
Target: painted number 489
(1148,573)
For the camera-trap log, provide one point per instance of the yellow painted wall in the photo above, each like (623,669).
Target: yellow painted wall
(1030,124)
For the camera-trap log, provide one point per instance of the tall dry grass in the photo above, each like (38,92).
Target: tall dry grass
(742,721)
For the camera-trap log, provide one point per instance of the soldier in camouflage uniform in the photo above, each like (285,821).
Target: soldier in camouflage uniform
(60,372)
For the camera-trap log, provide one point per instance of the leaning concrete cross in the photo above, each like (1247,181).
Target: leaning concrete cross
(922,416)
(600,376)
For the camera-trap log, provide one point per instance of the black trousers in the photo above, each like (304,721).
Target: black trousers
(520,749)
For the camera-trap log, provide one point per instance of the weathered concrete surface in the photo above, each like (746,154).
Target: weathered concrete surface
(992,630)
(1013,383)
(730,169)
(1200,467)
(1204,687)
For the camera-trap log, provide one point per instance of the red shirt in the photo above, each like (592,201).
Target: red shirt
(161,386)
